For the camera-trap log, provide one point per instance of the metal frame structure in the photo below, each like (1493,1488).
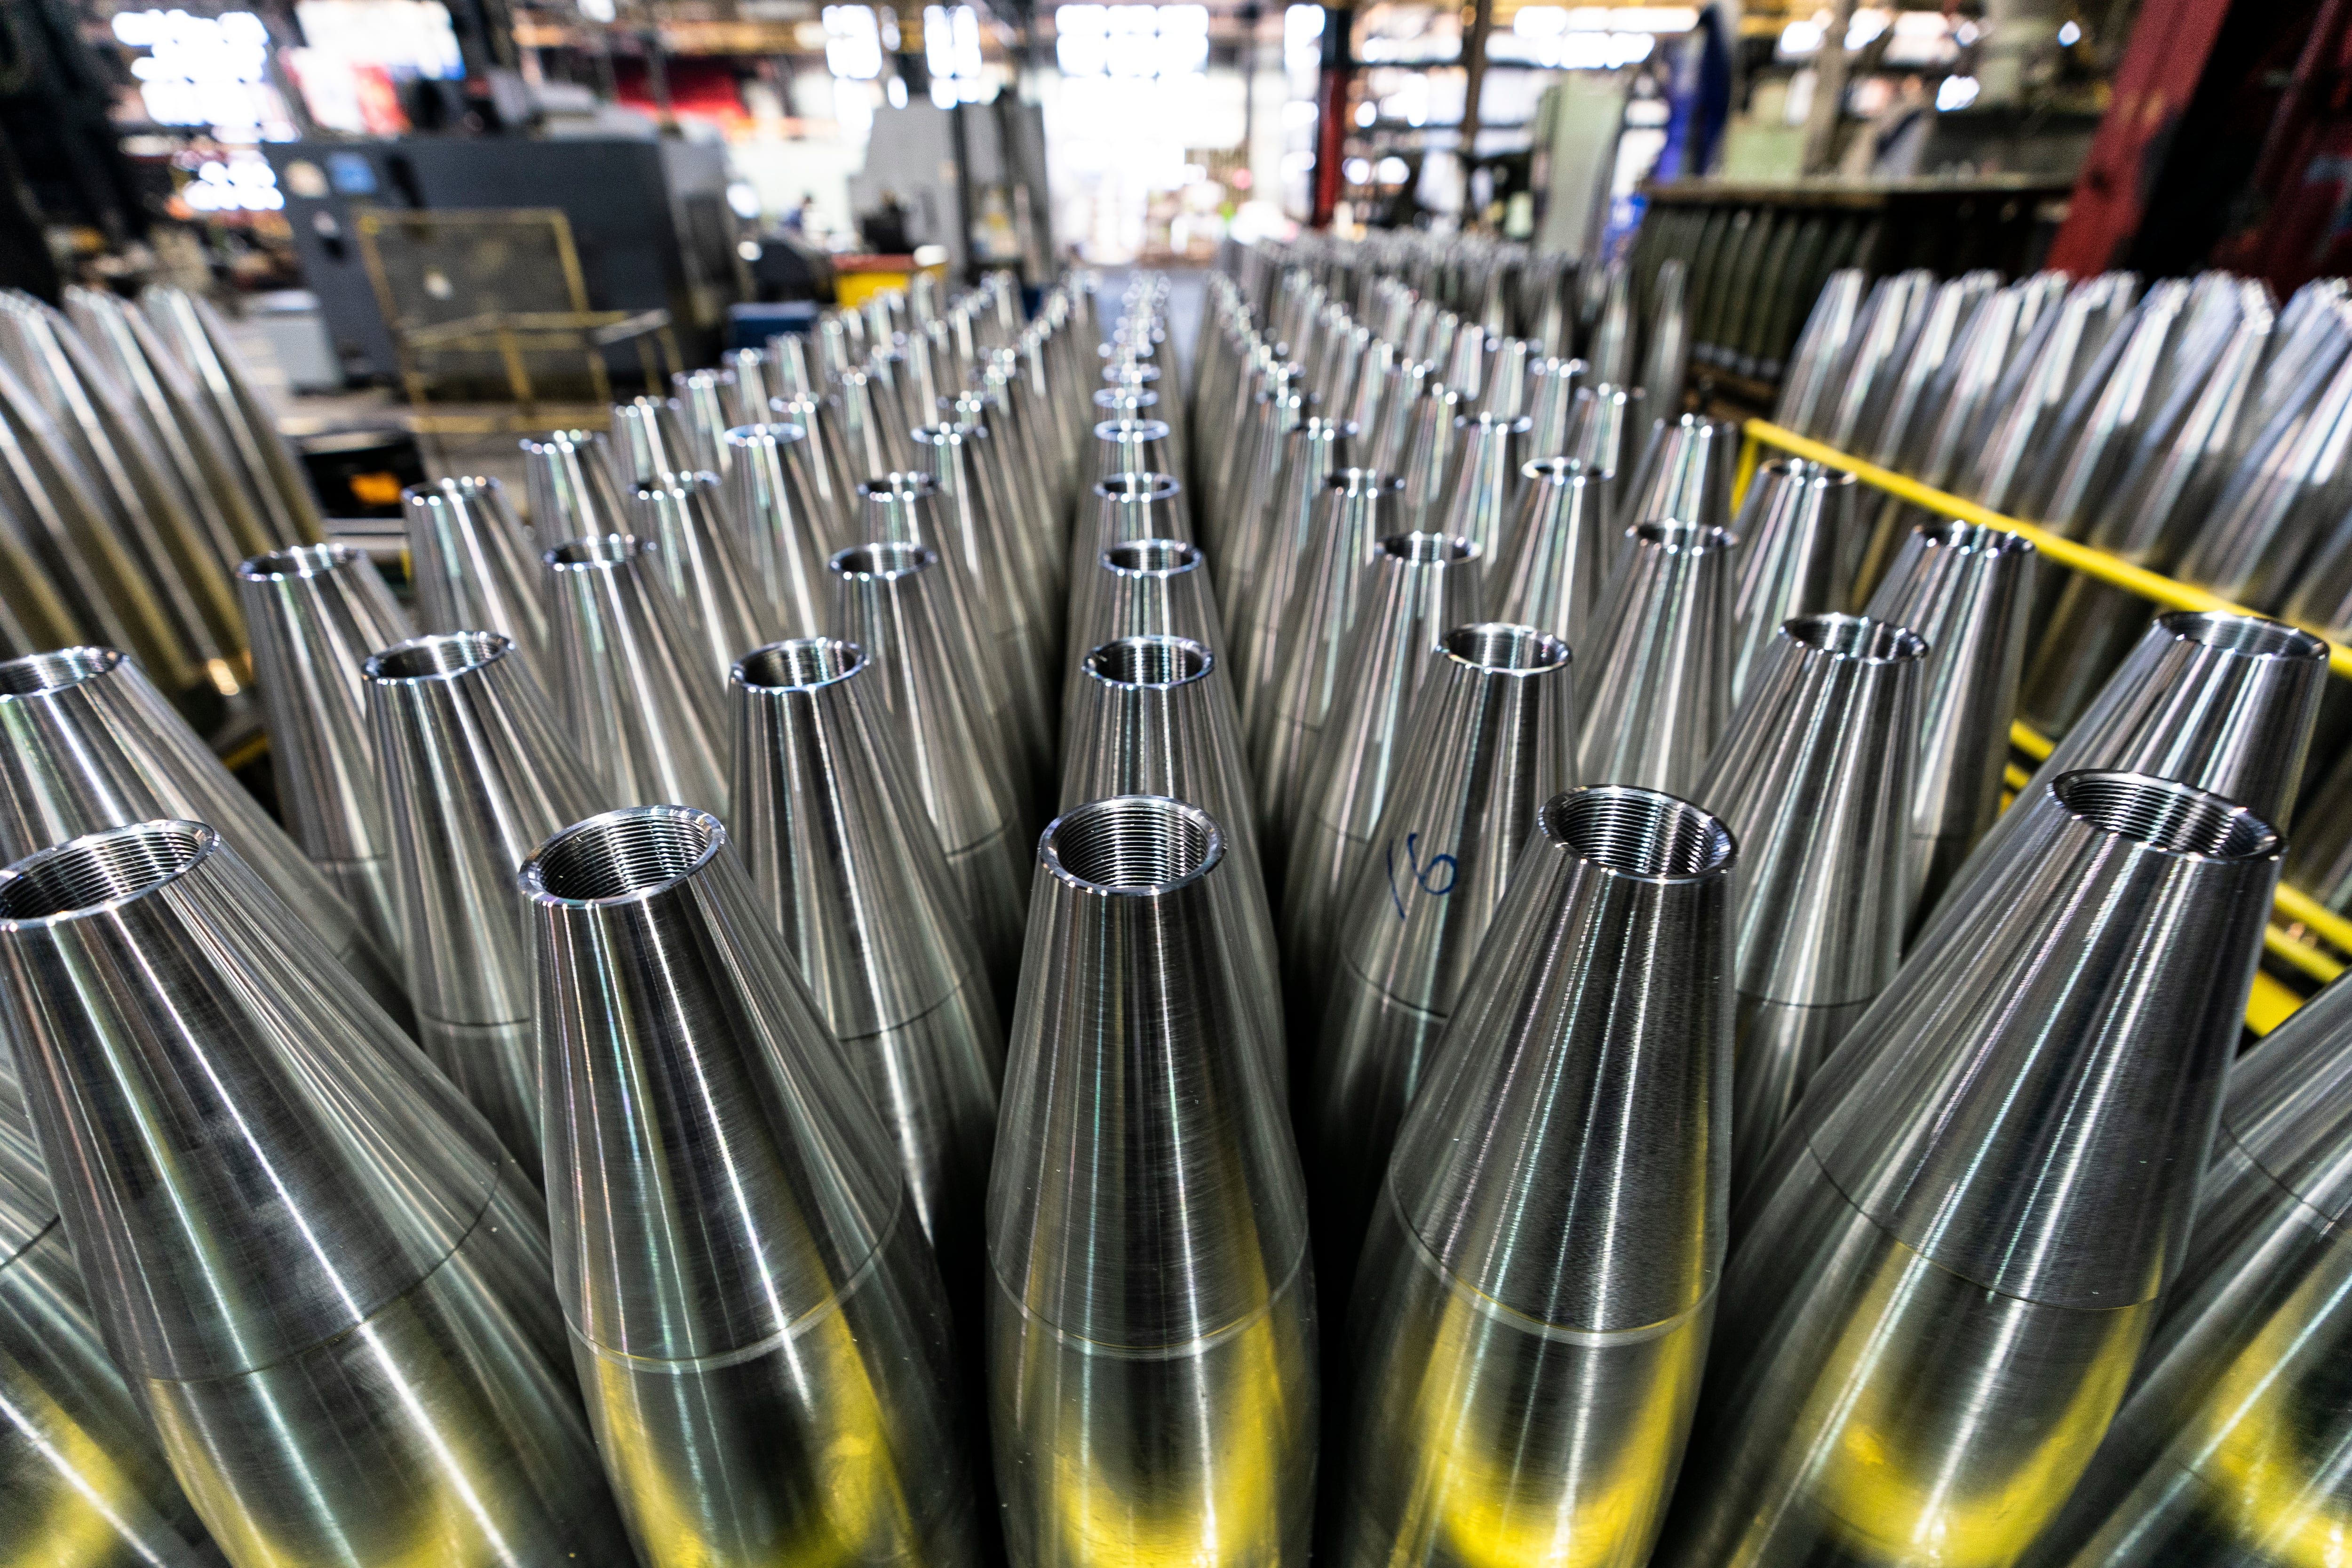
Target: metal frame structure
(2300,917)
(513,335)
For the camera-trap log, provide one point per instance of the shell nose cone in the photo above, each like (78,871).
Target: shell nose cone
(309,1254)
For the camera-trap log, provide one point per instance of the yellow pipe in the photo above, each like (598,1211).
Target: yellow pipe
(2098,564)
(2300,954)
(2271,1004)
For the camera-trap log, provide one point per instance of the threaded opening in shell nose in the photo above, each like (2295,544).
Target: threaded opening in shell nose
(622,852)
(1148,661)
(1498,645)
(1151,556)
(1132,432)
(1638,832)
(1856,637)
(2163,815)
(799,661)
(1137,487)
(1133,843)
(596,550)
(2249,635)
(882,558)
(1668,533)
(56,669)
(301,561)
(913,485)
(1553,470)
(99,869)
(444,653)
(1975,538)
(1422,549)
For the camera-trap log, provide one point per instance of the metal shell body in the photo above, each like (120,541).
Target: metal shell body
(1285,700)
(86,743)
(315,613)
(1813,778)
(1923,1334)
(1967,590)
(785,521)
(758,1327)
(697,558)
(1551,571)
(476,775)
(473,567)
(1141,588)
(1152,1363)
(84,1482)
(894,601)
(847,869)
(2232,1448)
(2224,702)
(1656,688)
(636,690)
(1532,1309)
(1489,740)
(1422,586)
(1797,519)
(323,1279)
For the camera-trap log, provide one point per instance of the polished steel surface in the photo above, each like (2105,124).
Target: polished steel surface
(315,613)
(2231,1446)
(1665,354)
(1145,587)
(1422,586)
(705,411)
(633,688)
(785,519)
(1813,779)
(1798,519)
(476,776)
(1006,586)
(570,489)
(1264,554)
(264,459)
(1491,449)
(1532,1309)
(648,445)
(1654,689)
(473,567)
(2223,702)
(826,469)
(697,557)
(1605,433)
(1151,1362)
(87,742)
(1685,473)
(1286,698)
(325,1282)
(1155,716)
(845,864)
(188,552)
(1489,738)
(905,509)
(1938,1296)
(107,583)
(1552,568)
(758,1328)
(83,1481)
(892,600)
(1967,590)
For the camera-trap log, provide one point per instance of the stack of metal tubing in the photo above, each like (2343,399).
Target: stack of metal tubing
(991,936)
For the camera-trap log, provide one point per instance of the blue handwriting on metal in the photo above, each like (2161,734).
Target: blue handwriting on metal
(1422,875)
